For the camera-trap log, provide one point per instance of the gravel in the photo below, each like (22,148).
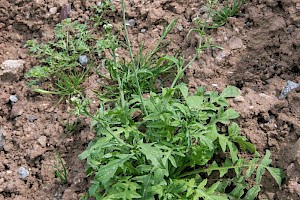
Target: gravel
(32,118)
(290,86)
(1,141)
(131,22)
(13,98)
(23,172)
(83,59)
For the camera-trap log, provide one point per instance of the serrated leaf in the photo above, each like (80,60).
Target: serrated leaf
(194,102)
(233,151)
(252,167)
(252,193)
(211,168)
(202,184)
(234,130)
(206,141)
(265,162)
(152,153)
(96,147)
(184,109)
(277,174)
(228,115)
(190,187)
(212,189)
(238,191)
(223,142)
(106,172)
(184,90)
(224,169)
(230,91)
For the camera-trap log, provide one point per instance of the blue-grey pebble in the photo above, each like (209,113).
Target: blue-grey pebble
(83,59)
(23,172)
(13,98)
(290,86)
(32,118)
(131,22)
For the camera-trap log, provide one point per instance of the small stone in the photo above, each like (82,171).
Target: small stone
(289,87)
(239,99)
(235,43)
(53,10)
(23,172)
(180,27)
(16,112)
(143,30)
(13,98)
(65,11)
(32,118)
(11,70)
(42,141)
(83,59)
(131,22)
(1,140)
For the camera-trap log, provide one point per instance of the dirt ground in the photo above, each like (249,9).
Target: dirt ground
(261,51)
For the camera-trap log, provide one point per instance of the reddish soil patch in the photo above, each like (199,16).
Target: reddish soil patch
(260,53)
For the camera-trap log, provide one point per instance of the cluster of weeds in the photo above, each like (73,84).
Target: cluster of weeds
(164,143)
(218,13)
(59,60)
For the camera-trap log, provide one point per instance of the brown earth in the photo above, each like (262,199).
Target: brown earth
(261,51)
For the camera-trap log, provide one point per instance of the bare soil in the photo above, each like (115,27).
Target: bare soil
(261,51)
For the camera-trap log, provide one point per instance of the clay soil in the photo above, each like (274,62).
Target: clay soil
(261,51)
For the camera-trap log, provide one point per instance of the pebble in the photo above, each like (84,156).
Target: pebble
(180,27)
(23,172)
(11,70)
(1,141)
(53,10)
(13,98)
(131,22)
(235,43)
(16,112)
(83,59)
(290,86)
(42,141)
(32,118)
(143,30)
(65,11)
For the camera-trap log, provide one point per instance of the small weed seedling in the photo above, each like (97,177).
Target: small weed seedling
(219,12)
(60,170)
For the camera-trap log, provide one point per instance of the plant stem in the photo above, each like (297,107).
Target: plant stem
(132,58)
(197,171)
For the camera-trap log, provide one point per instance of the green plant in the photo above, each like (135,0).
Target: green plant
(60,170)
(171,152)
(59,60)
(147,66)
(219,12)
(71,126)
(154,143)
(100,9)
